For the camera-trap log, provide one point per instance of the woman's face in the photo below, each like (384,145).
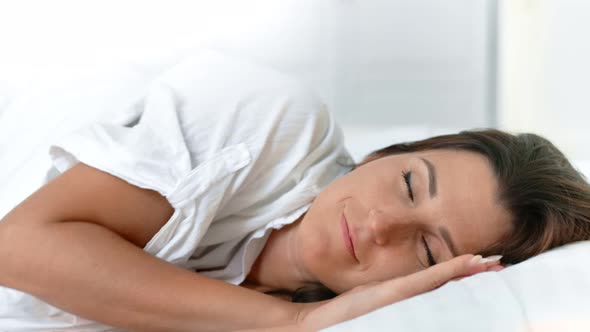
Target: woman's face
(393,209)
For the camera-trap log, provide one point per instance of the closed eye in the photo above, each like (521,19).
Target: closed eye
(408,179)
(431,260)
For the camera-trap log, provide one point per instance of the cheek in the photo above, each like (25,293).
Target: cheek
(378,190)
(316,254)
(314,238)
(353,182)
(392,263)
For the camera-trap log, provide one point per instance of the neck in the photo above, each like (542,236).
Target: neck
(280,264)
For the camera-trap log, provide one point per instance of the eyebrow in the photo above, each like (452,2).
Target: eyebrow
(432,187)
(444,232)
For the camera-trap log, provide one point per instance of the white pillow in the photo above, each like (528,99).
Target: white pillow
(550,292)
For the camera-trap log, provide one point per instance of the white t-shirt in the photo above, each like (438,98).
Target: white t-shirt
(237,150)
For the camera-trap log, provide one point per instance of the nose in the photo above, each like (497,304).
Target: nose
(386,227)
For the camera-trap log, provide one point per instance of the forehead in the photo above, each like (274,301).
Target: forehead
(467,197)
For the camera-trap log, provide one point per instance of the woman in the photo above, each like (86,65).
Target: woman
(249,186)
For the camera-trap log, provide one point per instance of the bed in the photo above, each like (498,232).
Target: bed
(546,293)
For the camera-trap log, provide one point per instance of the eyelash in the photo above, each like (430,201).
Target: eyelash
(408,179)
(431,260)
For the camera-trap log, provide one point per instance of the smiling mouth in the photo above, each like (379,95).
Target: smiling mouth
(347,239)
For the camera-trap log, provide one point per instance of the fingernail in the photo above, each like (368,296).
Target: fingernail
(490,259)
(475,260)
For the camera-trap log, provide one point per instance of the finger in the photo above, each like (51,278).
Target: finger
(496,268)
(489,267)
(492,260)
(437,275)
(493,263)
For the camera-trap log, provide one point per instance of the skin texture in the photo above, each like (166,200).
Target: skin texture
(385,224)
(92,225)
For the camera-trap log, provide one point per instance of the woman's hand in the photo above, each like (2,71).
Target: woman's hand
(366,298)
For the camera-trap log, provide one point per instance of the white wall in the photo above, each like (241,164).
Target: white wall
(388,62)
(545,71)
(382,62)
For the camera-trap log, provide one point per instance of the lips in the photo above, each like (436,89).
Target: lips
(347,238)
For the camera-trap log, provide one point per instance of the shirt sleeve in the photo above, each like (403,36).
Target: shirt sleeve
(213,127)
(145,155)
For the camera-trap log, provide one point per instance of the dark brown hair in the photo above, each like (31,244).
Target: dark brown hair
(549,200)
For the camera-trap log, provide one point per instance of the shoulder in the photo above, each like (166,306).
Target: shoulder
(220,100)
(216,82)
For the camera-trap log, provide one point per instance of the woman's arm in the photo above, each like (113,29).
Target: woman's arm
(76,244)
(366,298)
